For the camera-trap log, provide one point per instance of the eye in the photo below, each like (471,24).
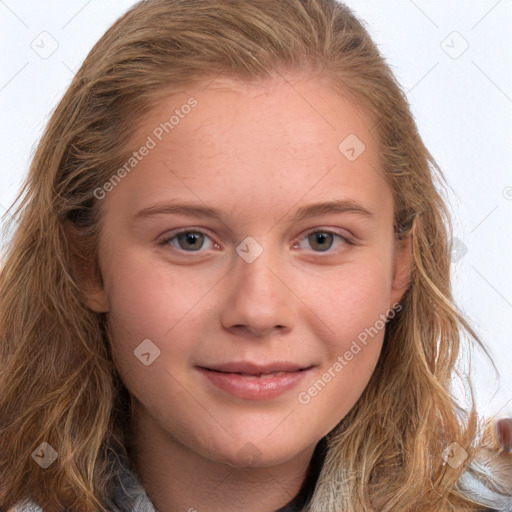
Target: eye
(191,240)
(186,240)
(322,240)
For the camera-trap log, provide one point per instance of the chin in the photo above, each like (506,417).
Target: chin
(245,454)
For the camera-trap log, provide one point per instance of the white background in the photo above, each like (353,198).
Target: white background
(462,102)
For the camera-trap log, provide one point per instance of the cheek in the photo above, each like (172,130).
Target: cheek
(150,311)
(352,352)
(149,301)
(142,308)
(352,300)
(169,308)
(353,306)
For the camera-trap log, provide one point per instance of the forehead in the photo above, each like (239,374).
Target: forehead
(247,142)
(304,113)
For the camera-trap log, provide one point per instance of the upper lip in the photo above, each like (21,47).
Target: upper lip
(248,368)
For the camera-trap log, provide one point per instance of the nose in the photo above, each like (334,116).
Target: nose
(260,300)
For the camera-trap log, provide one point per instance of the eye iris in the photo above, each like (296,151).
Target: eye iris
(190,237)
(321,238)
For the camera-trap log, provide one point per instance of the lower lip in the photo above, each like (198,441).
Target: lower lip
(250,387)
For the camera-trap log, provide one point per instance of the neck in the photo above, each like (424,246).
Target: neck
(176,478)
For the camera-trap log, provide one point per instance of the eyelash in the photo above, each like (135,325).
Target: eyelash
(168,238)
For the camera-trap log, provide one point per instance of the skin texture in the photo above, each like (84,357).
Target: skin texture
(256,153)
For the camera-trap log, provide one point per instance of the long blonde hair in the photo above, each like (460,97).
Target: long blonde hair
(58,381)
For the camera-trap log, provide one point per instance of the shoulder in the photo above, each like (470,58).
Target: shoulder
(488,479)
(140,503)
(127,493)
(29,506)
(471,486)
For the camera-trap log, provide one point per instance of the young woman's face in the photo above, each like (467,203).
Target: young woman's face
(285,267)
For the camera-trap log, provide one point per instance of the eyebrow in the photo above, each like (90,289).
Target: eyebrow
(312,210)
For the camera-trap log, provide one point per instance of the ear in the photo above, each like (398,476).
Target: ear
(86,269)
(401,268)
(95,297)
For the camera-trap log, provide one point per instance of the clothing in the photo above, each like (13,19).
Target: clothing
(129,495)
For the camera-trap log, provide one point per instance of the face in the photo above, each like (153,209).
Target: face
(238,304)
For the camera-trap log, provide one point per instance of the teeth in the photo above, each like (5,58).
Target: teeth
(260,374)
(255,374)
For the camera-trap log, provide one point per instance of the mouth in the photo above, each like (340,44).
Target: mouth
(258,375)
(253,369)
(251,381)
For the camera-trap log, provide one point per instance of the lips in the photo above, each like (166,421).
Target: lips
(250,381)
(248,368)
